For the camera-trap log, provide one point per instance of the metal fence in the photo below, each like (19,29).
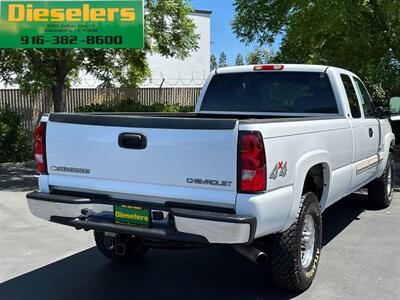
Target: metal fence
(32,106)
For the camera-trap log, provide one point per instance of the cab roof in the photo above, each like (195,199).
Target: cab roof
(285,67)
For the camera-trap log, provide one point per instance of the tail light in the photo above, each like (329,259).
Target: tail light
(268,68)
(251,166)
(40,148)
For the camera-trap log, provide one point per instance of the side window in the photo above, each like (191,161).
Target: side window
(368,105)
(351,96)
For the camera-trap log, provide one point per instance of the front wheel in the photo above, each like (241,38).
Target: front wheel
(380,191)
(295,253)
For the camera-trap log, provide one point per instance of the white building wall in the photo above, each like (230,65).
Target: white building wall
(190,72)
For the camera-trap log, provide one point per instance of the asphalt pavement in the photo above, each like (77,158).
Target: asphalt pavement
(40,260)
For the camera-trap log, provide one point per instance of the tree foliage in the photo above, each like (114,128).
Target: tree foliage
(258,56)
(222,60)
(14,139)
(239,60)
(213,63)
(168,31)
(361,35)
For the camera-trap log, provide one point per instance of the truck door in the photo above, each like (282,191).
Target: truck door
(361,134)
(373,125)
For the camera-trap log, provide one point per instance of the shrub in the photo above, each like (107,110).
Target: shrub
(14,139)
(131,105)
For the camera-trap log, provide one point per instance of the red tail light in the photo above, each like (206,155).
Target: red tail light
(252,167)
(40,148)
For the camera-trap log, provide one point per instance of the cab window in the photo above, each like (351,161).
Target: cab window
(368,105)
(351,96)
(284,92)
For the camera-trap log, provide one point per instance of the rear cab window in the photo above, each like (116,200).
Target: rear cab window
(351,96)
(367,103)
(281,92)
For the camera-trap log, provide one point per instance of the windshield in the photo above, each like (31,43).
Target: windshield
(287,92)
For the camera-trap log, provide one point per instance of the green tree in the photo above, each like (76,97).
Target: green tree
(222,60)
(169,31)
(362,36)
(213,63)
(258,57)
(239,60)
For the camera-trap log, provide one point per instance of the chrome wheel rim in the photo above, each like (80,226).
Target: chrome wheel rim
(307,241)
(389,181)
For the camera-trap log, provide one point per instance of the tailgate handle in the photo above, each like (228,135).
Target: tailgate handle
(132,141)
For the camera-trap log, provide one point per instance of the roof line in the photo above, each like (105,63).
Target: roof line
(200,11)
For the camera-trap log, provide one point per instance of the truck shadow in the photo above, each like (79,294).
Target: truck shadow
(340,215)
(18,177)
(210,273)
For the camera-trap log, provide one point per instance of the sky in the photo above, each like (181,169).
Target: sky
(222,36)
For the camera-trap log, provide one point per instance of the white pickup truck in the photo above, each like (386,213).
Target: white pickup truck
(268,149)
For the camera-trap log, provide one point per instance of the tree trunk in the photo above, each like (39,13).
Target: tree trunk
(58,89)
(58,97)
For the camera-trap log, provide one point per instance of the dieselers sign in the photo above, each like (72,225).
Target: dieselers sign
(71,24)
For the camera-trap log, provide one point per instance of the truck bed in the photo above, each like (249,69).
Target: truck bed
(177,120)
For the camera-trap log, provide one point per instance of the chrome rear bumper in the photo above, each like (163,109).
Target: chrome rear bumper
(185,225)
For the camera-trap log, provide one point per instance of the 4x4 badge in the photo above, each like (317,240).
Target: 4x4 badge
(280,170)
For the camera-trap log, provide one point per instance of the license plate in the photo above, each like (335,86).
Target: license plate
(131,215)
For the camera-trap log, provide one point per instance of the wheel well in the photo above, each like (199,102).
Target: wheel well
(392,147)
(314,181)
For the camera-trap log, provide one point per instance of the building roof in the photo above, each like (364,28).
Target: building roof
(204,12)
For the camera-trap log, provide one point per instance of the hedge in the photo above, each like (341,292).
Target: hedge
(15,142)
(134,106)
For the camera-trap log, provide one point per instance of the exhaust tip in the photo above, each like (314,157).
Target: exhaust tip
(256,256)
(261,259)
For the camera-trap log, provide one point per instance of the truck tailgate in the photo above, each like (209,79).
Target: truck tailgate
(184,160)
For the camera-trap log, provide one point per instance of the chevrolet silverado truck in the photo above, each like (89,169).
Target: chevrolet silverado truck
(267,150)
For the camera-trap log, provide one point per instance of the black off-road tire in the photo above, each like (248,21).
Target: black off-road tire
(134,248)
(379,194)
(285,251)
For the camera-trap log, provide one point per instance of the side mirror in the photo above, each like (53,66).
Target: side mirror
(395,106)
(382,112)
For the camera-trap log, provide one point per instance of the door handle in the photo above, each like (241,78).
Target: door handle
(371,133)
(132,141)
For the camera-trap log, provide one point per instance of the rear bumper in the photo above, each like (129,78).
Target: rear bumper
(180,225)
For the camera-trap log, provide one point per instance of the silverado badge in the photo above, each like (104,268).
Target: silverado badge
(70,170)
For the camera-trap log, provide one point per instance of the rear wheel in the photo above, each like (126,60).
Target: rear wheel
(120,248)
(380,191)
(295,253)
